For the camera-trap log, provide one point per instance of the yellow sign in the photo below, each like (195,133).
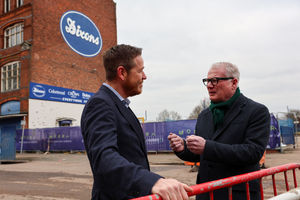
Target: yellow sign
(141,119)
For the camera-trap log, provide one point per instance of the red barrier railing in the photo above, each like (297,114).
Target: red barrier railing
(243,178)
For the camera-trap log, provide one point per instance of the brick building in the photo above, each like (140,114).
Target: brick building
(47,69)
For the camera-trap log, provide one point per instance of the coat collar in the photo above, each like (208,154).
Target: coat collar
(232,113)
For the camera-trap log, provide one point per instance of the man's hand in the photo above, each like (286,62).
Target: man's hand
(176,142)
(195,144)
(171,189)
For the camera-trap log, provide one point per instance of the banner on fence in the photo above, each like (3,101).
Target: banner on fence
(156,133)
(51,139)
(156,136)
(274,139)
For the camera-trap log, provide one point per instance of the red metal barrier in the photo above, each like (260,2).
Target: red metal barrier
(243,178)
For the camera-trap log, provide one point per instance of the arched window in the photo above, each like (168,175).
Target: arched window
(13,35)
(10,107)
(10,77)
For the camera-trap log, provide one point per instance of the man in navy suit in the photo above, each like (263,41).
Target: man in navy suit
(231,135)
(113,136)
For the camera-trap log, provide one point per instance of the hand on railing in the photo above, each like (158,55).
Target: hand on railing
(171,189)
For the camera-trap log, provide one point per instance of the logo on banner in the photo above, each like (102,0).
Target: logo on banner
(86,95)
(80,33)
(38,91)
(73,94)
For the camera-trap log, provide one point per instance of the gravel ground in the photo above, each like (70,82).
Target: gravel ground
(67,176)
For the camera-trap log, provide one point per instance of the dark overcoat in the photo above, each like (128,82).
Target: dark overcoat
(115,146)
(234,148)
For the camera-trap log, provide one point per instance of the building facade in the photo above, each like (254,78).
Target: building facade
(51,59)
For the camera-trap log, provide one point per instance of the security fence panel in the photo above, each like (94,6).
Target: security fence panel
(33,140)
(274,139)
(183,128)
(156,133)
(64,138)
(50,139)
(287,131)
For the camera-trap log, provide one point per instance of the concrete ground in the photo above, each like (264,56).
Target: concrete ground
(67,176)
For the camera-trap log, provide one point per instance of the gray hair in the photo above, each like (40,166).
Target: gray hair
(231,69)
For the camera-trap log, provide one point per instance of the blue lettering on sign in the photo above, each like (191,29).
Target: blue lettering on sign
(80,33)
(53,93)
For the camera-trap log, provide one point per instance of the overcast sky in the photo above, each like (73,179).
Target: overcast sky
(181,39)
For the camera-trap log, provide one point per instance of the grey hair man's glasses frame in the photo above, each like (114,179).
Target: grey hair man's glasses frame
(214,81)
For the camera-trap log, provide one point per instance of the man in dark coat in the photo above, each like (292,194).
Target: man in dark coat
(113,136)
(231,135)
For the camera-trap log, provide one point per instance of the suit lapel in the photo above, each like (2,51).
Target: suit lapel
(138,128)
(134,123)
(130,117)
(232,113)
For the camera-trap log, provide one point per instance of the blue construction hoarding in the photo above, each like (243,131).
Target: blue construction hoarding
(156,133)
(50,139)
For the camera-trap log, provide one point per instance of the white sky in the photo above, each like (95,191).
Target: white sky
(181,39)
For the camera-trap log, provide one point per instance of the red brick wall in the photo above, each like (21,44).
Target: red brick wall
(53,61)
(50,60)
(16,53)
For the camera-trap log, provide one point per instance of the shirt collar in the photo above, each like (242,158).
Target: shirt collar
(125,101)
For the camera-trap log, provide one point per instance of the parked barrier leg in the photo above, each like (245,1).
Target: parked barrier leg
(286,181)
(261,189)
(211,195)
(230,193)
(295,180)
(247,190)
(274,185)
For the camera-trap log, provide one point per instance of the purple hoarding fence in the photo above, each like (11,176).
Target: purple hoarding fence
(51,139)
(156,133)
(274,139)
(70,138)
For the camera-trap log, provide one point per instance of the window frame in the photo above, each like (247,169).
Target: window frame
(6,6)
(10,76)
(13,35)
(19,3)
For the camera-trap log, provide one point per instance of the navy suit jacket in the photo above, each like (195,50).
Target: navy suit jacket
(115,146)
(234,148)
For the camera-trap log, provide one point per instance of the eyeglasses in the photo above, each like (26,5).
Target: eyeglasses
(214,81)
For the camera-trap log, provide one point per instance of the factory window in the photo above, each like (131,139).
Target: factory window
(10,77)
(13,35)
(65,121)
(6,6)
(19,3)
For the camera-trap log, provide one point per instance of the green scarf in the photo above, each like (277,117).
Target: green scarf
(218,109)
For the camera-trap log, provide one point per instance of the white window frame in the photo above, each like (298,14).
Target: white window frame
(10,76)
(6,6)
(13,35)
(19,3)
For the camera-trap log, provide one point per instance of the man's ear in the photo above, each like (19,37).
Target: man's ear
(235,83)
(121,72)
